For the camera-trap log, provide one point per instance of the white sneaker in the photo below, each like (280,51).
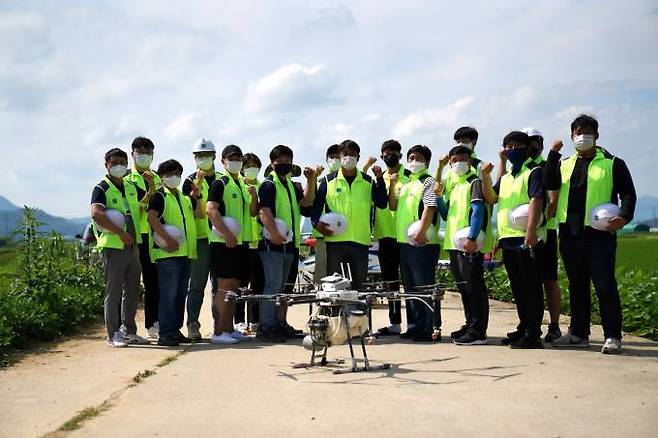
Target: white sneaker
(571,341)
(611,346)
(241,327)
(117,340)
(224,338)
(239,336)
(152,332)
(135,339)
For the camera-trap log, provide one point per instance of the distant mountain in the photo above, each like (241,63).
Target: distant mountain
(10,218)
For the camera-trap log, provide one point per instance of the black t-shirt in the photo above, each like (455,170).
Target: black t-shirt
(157,202)
(98,196)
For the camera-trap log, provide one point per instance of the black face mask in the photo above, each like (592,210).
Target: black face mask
(391,160)
(534,153)
(282,169)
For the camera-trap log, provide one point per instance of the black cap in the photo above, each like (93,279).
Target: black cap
(230,150)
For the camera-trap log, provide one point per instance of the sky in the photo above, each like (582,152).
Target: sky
(80,77)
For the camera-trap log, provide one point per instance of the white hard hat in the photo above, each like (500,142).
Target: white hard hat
(336,222)
(460,237)
(283,229)
(116,217)
(413,229)
(600,215)
(203,145)
(518,217)
(231,223)
(532,132)
(173,231)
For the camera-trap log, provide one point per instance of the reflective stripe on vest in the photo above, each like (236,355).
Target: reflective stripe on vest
(137,179)
(409,199)
(180,215)
(354,203)
(384,217)
(599,184)
(114,200)
(235,206)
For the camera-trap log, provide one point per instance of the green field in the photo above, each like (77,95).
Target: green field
(638,251)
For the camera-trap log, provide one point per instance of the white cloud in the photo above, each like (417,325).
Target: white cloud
(432,119)
(182,126)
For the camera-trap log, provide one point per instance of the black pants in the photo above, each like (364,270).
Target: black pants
(150,280)
(389,262)
(591,258)
(255,280)
(524,272)
(348,253)
(469,274)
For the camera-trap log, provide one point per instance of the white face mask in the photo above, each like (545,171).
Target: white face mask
(348,162)
(461,167)
(118,170)
(416,166)
(584,142)
(470,146)
(333,163)
(204,163)
(143,161)
(251,173)
(233,166)
(172,181)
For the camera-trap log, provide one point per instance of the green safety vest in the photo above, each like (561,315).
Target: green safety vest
(236,205)
(115,200)
(551,224)
(256,228)
(599,183)
(512,193)
(315,233)
(459,213)
(354,203)
(202,223)
(178,212)
(384,217)
(409,199)
(137,179)
(286,206)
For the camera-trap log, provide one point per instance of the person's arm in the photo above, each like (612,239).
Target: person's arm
(254,205)
(379,195)
(215,196)
(490,195)
(442,207)
(155,210)
(392,192)
(425,222)
(502,164)
(478,210)
(309,190)
(536,195)
(368,165)
(98,201)
(623,187)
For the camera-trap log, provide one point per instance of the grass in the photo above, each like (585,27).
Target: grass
(143,375)
(638,251)
(82,416)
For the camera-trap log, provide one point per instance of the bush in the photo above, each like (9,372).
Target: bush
(56,287)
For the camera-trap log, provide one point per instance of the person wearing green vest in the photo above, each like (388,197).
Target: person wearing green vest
(148,181)
(590,177)
(467,137)
(332,158)
(199,182)
(246,321)
(463,209)
(280,201)
(115,220)
(230,207)
(352,194)
(171,216)
(549,250)
(521,247)
(388,252)
(414,204)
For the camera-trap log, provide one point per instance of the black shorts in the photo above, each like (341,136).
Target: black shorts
(549,256)
(229,262)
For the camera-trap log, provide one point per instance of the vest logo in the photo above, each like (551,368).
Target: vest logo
(115,201)
(338,190)
(234,195)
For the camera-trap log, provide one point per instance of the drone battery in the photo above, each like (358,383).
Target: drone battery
(344,295)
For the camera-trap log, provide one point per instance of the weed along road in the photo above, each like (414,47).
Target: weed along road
(83,388)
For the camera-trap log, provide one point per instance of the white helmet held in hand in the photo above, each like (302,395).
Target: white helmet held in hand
(231,223)
(116,217)
(414,228)
(461,236)
(518,217)
(175,232)
(283,229)
(336,222)
(600,216)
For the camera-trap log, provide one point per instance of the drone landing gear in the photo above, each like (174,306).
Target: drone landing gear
(323,360)
(367,367)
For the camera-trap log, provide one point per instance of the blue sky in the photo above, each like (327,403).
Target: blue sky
(78,77)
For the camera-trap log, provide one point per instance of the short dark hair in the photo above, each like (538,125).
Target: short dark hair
(280,151)
(115,152)
(466,132)
(169,166)
(420,149)
(349,145)
(332,150)
(251,157)
(231,150)
(142,142)
(460,150)
(585,121)
(392,145)
(517,137)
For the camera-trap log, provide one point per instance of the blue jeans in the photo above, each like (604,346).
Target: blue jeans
(173,278)
(418,265)
(276,267)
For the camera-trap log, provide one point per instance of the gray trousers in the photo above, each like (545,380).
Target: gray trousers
(122,272)
(320,260)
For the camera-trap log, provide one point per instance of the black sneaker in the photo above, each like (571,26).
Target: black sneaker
(409,334)
(168,341)
(470,338)
(459,333)
(289,331)
(271,336)
(182,339)
(527,343)
(425,337)
(553,334)
(512,337)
